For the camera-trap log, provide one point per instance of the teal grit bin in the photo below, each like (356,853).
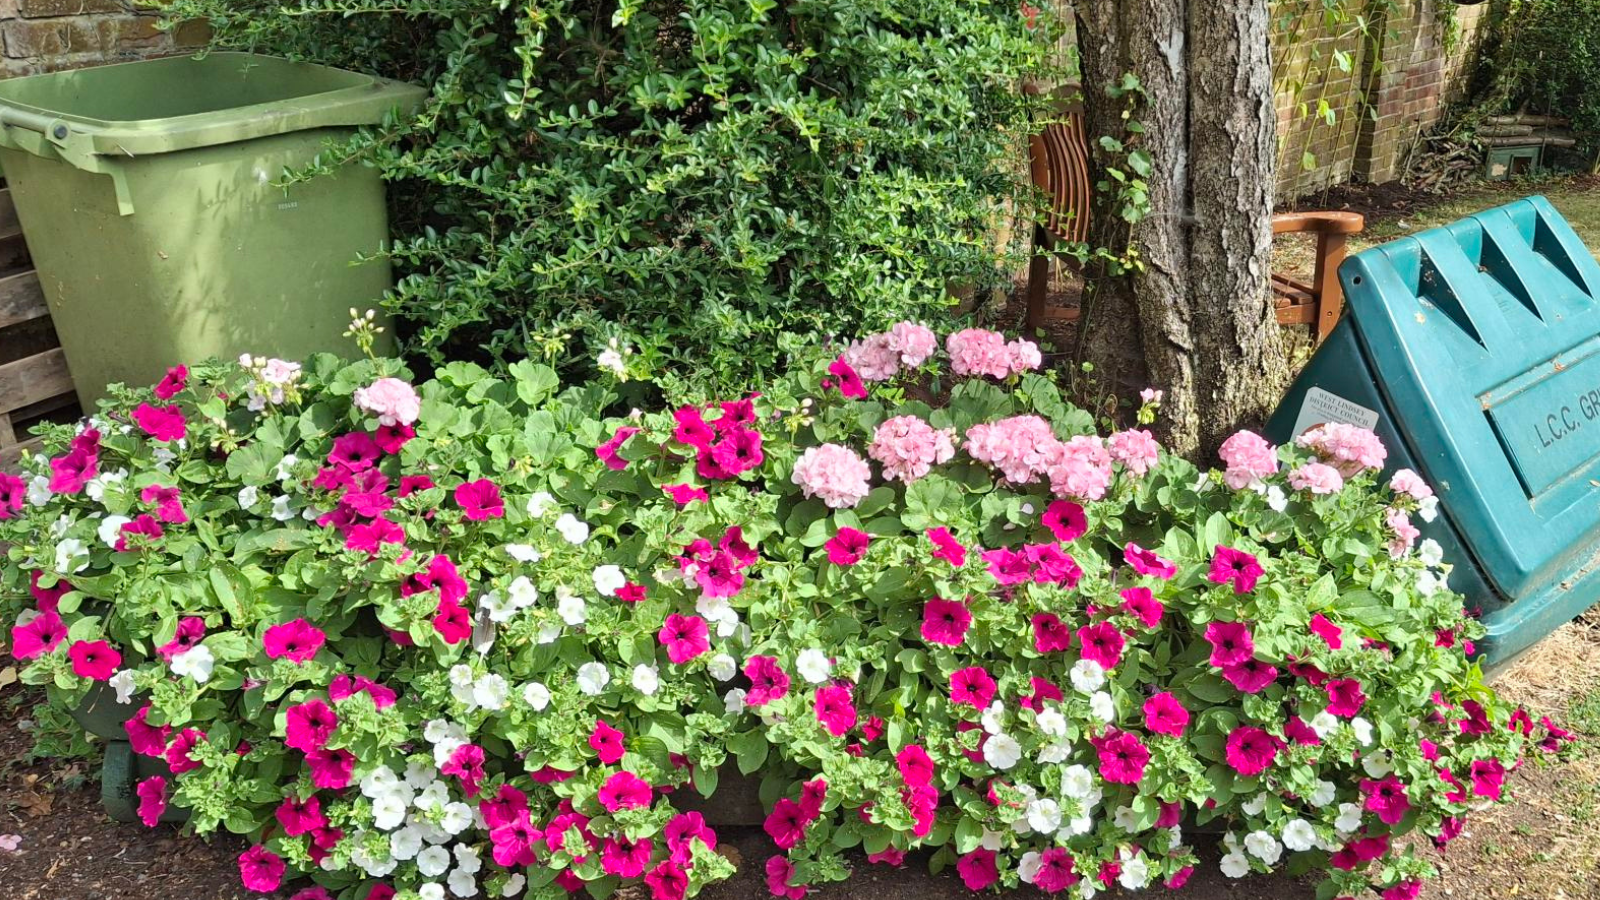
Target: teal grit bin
(1473,350)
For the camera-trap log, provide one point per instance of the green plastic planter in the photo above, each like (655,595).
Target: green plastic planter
(148,193)
(102,716)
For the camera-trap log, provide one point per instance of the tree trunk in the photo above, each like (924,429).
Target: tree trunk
(1193,314)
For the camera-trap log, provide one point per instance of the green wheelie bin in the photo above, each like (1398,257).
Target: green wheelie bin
(153,199)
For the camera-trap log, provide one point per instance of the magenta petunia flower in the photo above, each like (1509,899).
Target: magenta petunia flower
(977,869)
(260,869)
(1296,729)
(43,634)
(309,725)
(786,824)
(297,641)
(1330,633)
(607,742)
(146,739)
(1231,643)
(1065,520)
(972,686)
(505,806)
(164,423)
(179,754)
(177,378)
(1387,798)
(141,532)
(625,790)
(1147,562)
(1488,776)
(69,473)
(1050,634)
(391,438)
(354,452)
(813,794)
(1122,756)
(168,503)
(94,660)
(1052,565)
(1236,567)
(191,630)
(916,767)
(480,500)
(1178,879)
(1405,890)
(946,547)
(1008,566)
(835,709)
(1140,603)
(685,637)
(607,452)
(847,547)
(1250,676)
(1042,691)
(13,494)
(768,681)
(466,763)
(681,833)
(1102,643)
(1164,714)
(411,484)
(452,622)
(779,873)
(667,881)
(331,769)
(298,816)
(1345,697)
(1250,751)
(945,622)
(1056,872)
(849,383)
(692,429)
(152,794)
(685,494)
(369,537)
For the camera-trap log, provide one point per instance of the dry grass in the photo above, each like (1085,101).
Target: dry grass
(1560,668)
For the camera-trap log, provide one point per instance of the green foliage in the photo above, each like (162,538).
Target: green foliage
(512,622)
(1544,57)
(691,181)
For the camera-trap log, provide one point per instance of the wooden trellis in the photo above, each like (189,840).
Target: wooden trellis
(34,382)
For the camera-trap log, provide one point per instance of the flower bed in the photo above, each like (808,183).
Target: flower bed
(469,639)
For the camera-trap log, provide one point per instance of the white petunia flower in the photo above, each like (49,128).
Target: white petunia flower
(646,679)
(540,503)
(549,633)
(572,529)
(462,675)
(280,508)
(1234,865)
(1323,723)
(1276,499)
(1087,676)
(572,609)
(96,488)
(491,692)
(1299,836)
(248,496)
(388,811)
(513,885)
(196,662)
(733,701)
(456,819)
(1044,816)
(285,468)
(1028,866)
(1323,794)
(1125,818)
(1430,553)
(994,718)
(1051,722)
(1056,752)
(1363,730)
(1002,751)
(990,840)
(496,605)
(1428,508)
(1077,782)
(111,529)
(1255,806)
(536,695)
(433,862)
(608,580)
(593,678)
(812,665)
(122,683)
(1376,764)
(462,884)
(1135,873)
(523,553)
(383,780)
(611,360)
(419,776)
(71,556)
(405,843)
(39,492)
(521,593)
(431,891)
(1429,583)
(1349,820)
(1263,846)
(722,667)
(1101,707)
(1076,826)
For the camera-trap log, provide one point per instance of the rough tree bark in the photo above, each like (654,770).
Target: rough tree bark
(1196,318)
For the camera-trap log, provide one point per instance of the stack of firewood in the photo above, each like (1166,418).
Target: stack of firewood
(1523,130)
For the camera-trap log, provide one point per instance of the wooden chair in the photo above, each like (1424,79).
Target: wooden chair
(1059,160)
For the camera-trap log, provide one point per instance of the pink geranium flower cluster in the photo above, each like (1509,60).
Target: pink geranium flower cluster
(1136,449)
(1248,458)
(725,447)
(1348,448)
(977,351)
(1024,448)
(833,473)
(393,401)
(909,448)
(879,357)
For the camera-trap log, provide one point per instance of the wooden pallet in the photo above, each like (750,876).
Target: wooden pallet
(34,382)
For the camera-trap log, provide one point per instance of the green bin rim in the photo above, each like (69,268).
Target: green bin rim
(364,100)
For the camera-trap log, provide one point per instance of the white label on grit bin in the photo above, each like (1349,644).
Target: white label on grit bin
(1321,406)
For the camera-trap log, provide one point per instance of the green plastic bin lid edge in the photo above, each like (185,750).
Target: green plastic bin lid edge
(1484,337)
(350,100)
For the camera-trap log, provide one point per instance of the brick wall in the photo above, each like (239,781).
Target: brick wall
(1318,75)
(48,35)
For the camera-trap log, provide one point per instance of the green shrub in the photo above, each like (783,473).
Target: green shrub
(691,179)
(963,623)
(1547,60)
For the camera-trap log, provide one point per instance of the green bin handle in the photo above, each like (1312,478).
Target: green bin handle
(54,138)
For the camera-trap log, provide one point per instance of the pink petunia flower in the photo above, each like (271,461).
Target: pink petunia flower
(177,378)
(480,500)
(164,423)
(1237,567)
(847,547)
(1050,634)
(946,547)
(13,494)
(1123,756)
(848,381)
(1330,633)
(309,725)
(69,473)
(977,869)
(607,743)
(260,869)
(1164,714)
(392,438)
(354,452)
(466,763)
(152,794)
(166,500)
(331,769)
(1345,697)
(1101,643)
(1488,776)
(1052,565)
(768,681)
(835,709)
(667,881)
(786,824)
(1387,798)
(297,816)
(297,641)
(779,873)
(945,622)
(179,754)
(972,687)
(1231,643)
(685,637)
(685,494)
(143,531)
(1296,729)
(625,790)
(143,738)
(1056,871)
(1140,603)
(1250,676)
(41,635)
(607,452)
(191,630)
(94,660)
(1065,520)
(1250,751)
(452,622)
(1146,562)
